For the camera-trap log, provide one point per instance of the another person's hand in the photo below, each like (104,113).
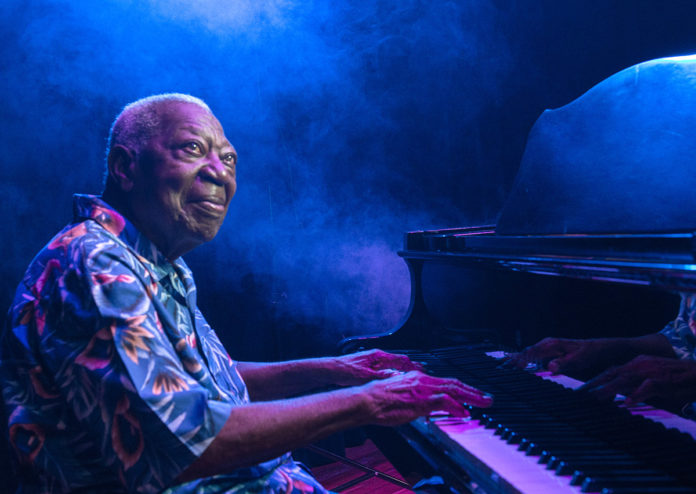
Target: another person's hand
(581,359)
(405,397)
(668,382)
(362,367)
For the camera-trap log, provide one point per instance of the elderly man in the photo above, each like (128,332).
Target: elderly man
(112,379)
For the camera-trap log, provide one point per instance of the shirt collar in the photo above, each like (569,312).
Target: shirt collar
(95,208)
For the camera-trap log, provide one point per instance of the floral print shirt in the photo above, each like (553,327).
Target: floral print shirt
(681,334)
(682,331)
(112,379)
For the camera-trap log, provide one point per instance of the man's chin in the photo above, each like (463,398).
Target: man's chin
(205,233)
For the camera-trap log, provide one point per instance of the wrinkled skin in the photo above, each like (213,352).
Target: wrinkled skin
(263,429)
(176,189)
(401,389)
(402,392)
(361,367)
(405,397)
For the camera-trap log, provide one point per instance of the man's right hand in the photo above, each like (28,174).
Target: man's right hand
(405,397)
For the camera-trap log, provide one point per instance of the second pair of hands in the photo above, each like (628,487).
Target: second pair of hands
(614,366)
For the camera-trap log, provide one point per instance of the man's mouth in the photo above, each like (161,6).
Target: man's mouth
(214,205)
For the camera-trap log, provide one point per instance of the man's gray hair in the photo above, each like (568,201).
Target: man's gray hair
(140,120)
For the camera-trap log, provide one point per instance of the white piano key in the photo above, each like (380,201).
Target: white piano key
(664,417)
(510,469)
(505,465)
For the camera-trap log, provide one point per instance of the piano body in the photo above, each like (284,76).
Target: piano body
(596,239)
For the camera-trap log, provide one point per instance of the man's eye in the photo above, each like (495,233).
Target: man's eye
(229,159)
(193,146)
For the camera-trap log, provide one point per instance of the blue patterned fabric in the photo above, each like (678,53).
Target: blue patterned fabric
(112,379)
(682,331)
(682,336)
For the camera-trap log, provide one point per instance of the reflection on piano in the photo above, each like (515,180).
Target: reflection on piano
(603,202)
(540,437)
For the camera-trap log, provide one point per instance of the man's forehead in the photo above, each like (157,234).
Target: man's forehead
(181,115)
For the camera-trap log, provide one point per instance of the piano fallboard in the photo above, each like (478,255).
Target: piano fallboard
(662,260)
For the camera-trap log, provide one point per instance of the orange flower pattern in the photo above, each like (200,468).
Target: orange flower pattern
(112,379)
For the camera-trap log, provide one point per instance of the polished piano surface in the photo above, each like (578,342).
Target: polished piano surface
(596,239)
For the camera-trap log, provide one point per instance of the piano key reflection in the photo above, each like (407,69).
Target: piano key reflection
(541,437)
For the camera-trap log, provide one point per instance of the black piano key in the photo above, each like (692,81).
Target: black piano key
(574,458)
(570,429)
(531,448)
(620,477)
(589,468)
(596,484)
(580,471)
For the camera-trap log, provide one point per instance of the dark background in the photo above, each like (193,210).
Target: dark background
(354,122)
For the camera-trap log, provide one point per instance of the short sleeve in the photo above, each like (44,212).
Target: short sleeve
(121,373)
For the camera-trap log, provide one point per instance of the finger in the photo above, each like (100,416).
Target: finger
(556,366)
(480,401)
(444,402)
(520,361)
(387,373)
(604,393)
(622,383)
(447,382)
(539,355)
(405,366)
(648,390)
(378,360)
(605,377)
(514,360)
(403,363)
(566,364)
(419,366)
(464,393)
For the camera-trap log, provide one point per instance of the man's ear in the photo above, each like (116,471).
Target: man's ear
(122,163)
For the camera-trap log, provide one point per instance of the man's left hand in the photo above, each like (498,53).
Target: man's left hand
(670,382)
(362,367)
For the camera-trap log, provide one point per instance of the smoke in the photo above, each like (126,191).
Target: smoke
(354,123)
(339,115)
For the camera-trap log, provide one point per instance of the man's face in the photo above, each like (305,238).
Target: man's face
(185,179)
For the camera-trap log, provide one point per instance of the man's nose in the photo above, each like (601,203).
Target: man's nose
(216,171)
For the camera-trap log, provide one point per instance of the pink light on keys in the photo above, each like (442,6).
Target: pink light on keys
(502,462)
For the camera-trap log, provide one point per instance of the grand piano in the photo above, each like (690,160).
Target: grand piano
(596,239)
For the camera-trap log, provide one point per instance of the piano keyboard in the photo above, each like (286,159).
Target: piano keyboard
(541,437)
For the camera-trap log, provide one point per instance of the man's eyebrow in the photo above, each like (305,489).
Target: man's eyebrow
(199,131)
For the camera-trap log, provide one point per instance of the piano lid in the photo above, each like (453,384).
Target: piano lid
(620,158)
